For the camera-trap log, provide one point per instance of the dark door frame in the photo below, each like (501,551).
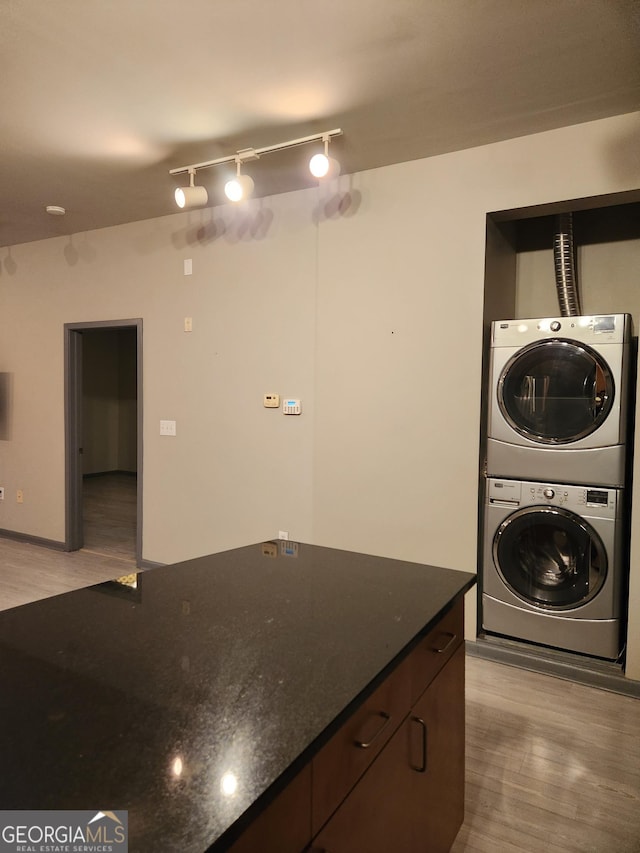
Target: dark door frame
(73,427)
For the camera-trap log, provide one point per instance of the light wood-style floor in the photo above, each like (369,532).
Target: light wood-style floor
(109,515)
(29,572)
(552,766)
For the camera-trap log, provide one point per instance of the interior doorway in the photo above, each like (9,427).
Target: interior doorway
(103,424)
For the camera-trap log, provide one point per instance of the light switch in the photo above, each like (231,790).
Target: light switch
(188,266)
(167,427)
(188,324)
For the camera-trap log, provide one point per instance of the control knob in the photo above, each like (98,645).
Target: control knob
(555,326)
(548,493)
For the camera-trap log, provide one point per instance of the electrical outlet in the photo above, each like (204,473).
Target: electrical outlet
(19,496)
(1,493)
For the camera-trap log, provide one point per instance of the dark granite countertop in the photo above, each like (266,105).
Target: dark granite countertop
(186,699)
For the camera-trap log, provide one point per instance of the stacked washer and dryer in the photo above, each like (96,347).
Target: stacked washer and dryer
(555,556)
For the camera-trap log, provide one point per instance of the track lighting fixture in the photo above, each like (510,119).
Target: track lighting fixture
(191,196)
(241,186)
(323,166)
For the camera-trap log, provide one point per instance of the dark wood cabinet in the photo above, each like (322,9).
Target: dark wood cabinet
(437,761)
(283,827)
(411,799)
(392,777)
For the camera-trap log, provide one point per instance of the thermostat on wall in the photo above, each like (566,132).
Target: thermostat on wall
(291,407)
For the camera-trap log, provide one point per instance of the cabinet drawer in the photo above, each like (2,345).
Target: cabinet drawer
(434,650)
(339,764)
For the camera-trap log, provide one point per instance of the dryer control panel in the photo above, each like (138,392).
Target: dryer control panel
(592,328)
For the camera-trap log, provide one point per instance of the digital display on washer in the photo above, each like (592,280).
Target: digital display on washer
(604,324)
(597,497)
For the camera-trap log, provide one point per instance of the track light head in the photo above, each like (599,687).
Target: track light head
(191,196)
(323,166)
(240,187)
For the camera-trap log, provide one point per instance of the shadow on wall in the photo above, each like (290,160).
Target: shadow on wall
(623,156)
(76,252)
(338,205)
(10,265)
(235,226)
(241,225)
(210,224)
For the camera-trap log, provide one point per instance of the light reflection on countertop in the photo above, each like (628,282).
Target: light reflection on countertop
(184,698)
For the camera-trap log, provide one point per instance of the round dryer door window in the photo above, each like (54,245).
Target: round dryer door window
(550,557)
(555,391)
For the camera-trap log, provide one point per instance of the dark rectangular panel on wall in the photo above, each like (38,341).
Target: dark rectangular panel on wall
(5,403)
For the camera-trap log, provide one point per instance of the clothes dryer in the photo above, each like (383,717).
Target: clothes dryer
(554,566)
(558,403)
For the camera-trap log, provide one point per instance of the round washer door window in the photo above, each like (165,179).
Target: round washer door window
(555,391)
(550,557)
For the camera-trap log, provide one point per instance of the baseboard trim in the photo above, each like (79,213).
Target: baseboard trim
(149,564)
(592,672)
(53,545)
(33,540)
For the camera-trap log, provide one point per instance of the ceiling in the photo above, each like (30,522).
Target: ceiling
(100,99)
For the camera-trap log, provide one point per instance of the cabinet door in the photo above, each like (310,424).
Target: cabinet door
(411,799)
(344,759)
(375,817)
(285,825)
(437,761)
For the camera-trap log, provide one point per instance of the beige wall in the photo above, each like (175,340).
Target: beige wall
(608,276)
(363,299)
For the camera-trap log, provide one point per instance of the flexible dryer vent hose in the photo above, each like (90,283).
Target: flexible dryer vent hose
(564,261)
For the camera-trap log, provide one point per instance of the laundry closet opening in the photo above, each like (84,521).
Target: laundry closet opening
(103,426)
(556,503)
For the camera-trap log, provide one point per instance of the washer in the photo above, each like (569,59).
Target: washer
(554,565)
(559,398)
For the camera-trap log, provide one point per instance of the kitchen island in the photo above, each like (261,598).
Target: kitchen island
(240,701)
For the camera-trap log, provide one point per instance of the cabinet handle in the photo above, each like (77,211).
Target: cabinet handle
(422,767)
(447,645)
(385,722)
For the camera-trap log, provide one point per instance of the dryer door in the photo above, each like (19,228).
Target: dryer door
(555,391)
(550,557)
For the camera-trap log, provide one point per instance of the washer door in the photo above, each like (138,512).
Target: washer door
(550,557)
(555,391)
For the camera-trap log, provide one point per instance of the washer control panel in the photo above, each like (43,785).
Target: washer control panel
(583,500)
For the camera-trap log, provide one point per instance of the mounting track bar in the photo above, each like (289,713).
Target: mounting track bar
(254,153)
